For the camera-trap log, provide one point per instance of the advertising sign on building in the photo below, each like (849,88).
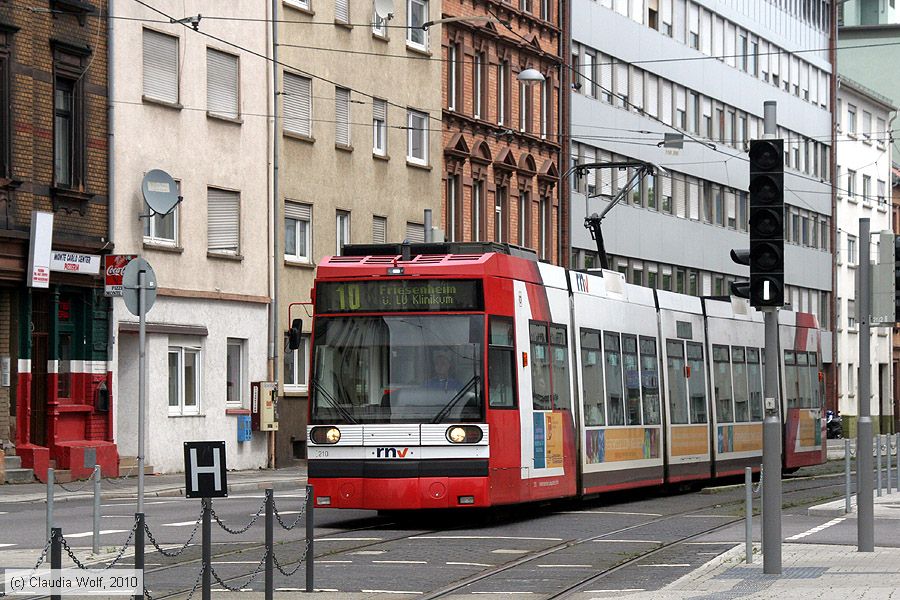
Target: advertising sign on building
(73,262)
(114,265)
(39,251)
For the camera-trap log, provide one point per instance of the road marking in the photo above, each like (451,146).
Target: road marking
(260,497)
(460,564)
(90,533)
(666,565)
(509,551)
(333,590)
(180,524)
(608,512)
(708,516)
(331,562)
(4,513)
(502,593)
(401,562)
(370,552)
(710,543)
(566,566)
(389,592)
(614,591)
(236,562)
(630,541)
(6,545)
(340,539)
(483,537)
(817,529)
(117,517)
(283,512)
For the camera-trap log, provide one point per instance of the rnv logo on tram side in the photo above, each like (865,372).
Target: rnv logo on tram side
(391,452)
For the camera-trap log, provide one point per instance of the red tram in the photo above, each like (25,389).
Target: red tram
(469,374)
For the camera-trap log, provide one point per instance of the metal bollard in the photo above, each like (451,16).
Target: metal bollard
(878,466)
(847,492)
(748,514)
(96,537)
(270,543)
(50,483)
(206,549)
(55,554)
(310,556)
(139,550)
(888,438)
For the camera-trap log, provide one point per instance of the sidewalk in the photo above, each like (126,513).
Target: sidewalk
(155,485)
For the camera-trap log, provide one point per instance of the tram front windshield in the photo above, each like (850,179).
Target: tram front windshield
(398,369)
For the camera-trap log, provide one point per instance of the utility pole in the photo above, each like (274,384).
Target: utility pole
(865,523)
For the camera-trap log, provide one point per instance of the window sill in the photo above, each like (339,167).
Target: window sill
(173,105)
(418,165)
(343,25)
(300,9)
(410,47)
(381,37)
(852,200)
(343,147)
(160,247)
(237,411)
(183,416)
(300,264)
(224,256)
(383,157)
(217,117)
(296,390)
(882,208)
(298,136)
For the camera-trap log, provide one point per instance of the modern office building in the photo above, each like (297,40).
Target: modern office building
(702,70)
(862,179)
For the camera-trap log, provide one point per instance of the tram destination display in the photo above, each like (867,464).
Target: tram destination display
(399,295)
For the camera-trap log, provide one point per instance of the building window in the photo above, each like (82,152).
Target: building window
(882,190)
(546,108)
(234,372)
(66,150)
(342,11)
(452,76)
(417,140)
(867,187)
(544,228)
(222,95)
(160,64)
(478,86)
(417,15)
(851,183)
(867,126)
(545,9)
(454,218)
(223,224)
(415,232)
(162,229)
(304,4)
(525,107)
(379,26)
(524,218)
(503,93)
(477,209)
(342,222)
(295,364)
(297,104)
(500,204)
(5,150)
(851,313)
(379,229)
(379,127)
(341,116)
(525,5)
(297,232)
(184,380)
(851,119)
(851,250)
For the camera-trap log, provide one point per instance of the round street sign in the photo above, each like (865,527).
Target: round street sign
(130,279)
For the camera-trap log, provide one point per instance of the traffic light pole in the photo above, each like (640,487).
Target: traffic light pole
(771,534)
(865,523)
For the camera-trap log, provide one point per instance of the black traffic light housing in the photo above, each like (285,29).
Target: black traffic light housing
(766,256)
(741,289)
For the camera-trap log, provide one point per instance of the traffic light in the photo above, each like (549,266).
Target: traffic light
(741,289)
(767,223)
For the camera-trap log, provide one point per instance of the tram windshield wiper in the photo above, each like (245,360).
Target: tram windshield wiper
(314,382)
(455,399)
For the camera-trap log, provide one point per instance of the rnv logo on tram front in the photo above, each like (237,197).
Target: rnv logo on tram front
(391,452)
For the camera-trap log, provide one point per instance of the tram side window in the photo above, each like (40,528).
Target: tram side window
(678,413)
(741,393)
(791,382)
(540,366)
(614,389)
(592,378)
(754,377)
(803,380)
(697,382)
(650,381)
(814,382)
(632,380)
(559,346)
(501,364)
(722,385)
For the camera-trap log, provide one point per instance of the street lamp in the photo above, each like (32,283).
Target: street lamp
(530,76)
(484,19)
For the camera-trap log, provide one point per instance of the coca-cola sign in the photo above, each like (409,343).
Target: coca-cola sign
(115,265)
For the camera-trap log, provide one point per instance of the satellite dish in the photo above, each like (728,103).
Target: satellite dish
(384,9)
(160,191)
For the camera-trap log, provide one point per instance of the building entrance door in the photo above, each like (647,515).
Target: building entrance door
(40,333)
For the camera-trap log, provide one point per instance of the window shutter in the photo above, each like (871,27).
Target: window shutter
(706,32)
(666,102)
(637,87)
(300,212)
(718,35)
(731,206)
(379,230)
(342,11)
(160,66)
(379,110)
(297,104)
(680,99)
(605,174)
(730,34)
(666,185)
(415,233)
(606,70)
(621,79)
(763,58)
(666,12)
(707,107)
(223,220)
(651,102)
(342,116)
(222,83)
(680,194)
(694,200)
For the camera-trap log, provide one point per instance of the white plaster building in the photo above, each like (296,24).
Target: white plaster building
(195,107)
(863,181)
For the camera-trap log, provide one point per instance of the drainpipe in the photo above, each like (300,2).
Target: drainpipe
(110,175)
(832,166)
(276,138)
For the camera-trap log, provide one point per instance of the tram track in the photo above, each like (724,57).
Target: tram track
(716,503)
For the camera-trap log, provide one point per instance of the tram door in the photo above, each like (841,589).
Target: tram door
(687,444)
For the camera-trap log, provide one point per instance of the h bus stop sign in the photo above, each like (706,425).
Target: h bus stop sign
(204,470)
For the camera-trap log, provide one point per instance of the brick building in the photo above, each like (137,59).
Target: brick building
(54,374)
(502,135)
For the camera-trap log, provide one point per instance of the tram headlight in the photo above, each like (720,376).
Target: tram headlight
(464,434)
(325,435)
